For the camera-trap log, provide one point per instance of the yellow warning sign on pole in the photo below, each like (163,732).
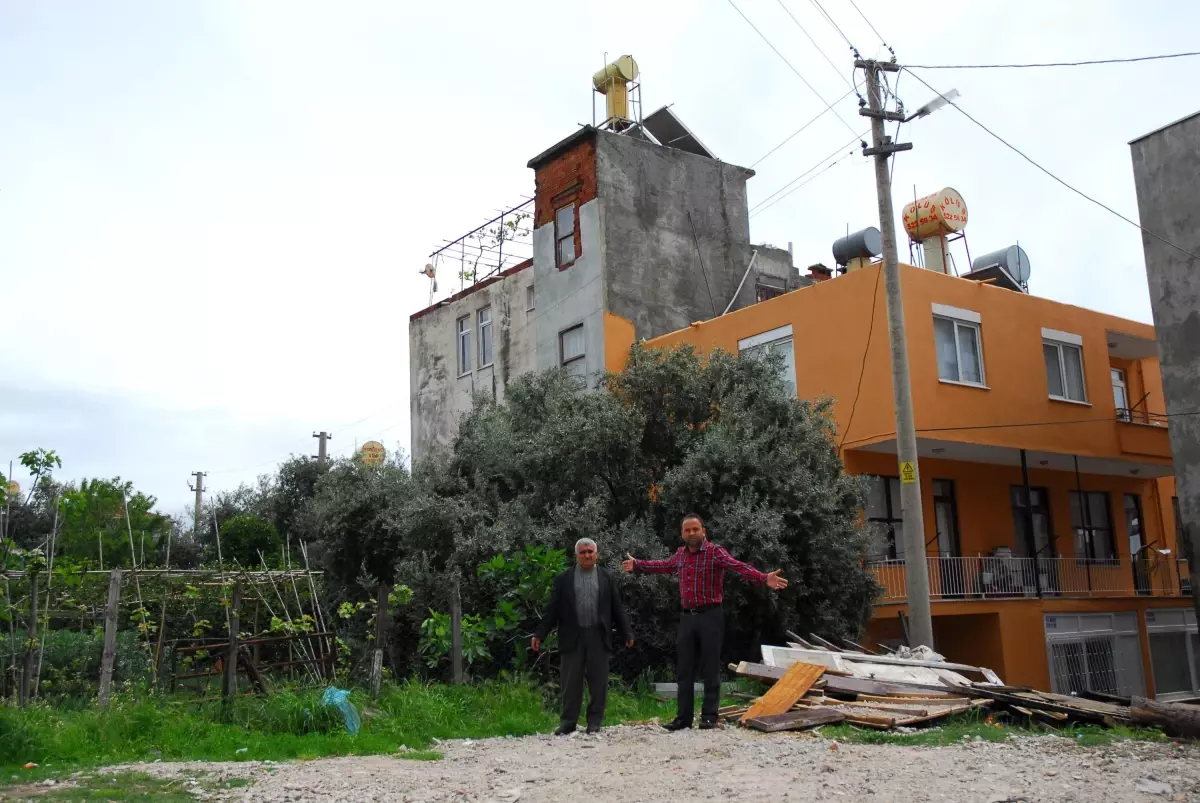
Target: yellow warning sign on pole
(908,472)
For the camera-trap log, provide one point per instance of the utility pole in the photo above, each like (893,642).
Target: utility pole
(916,573)
(321,450)
(199,489)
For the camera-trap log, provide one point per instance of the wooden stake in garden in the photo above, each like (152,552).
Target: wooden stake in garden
(381,613)
(143,614)
(31,643)
(108,656)
(229,687)
(37,675)
(456,655)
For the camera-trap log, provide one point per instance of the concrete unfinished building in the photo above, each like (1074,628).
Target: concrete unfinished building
(631,239)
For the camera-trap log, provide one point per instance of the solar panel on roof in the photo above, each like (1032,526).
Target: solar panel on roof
(666,127)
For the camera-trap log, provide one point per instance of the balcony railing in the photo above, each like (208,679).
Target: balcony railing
(1135,415)
(1008,578)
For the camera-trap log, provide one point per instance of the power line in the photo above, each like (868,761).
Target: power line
(795,133)
(828,106)
(1052,63)
(857,138)
(815,45)
(874,30)
(835,26)
(1078,192)
(816,176)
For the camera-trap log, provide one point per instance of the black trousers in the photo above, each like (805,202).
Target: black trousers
(587,662)
(699,646)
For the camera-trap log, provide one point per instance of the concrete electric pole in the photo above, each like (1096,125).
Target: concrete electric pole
(321,447)
(916,574)
(199,489)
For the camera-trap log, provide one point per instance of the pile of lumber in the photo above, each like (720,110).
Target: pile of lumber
(814,682)
(806,695)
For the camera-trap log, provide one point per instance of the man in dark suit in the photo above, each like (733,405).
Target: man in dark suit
(584,605)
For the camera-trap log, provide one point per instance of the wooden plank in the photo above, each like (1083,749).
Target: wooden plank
(1034,702)
(900,709)
(790,688)
(108,654)
(914,699)
(795,720)
(768,674)
(844,685)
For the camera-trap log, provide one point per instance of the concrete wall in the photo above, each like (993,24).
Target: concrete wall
(438,396)
(652,274)
(1166,172)
(572,295)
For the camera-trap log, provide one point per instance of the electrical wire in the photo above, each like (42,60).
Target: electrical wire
(819,173)
(836,27)
(1052,63)
(828,106)
(857,138)
(866,350)
(825,56)
(799,130)
(1078,192)
(874,30)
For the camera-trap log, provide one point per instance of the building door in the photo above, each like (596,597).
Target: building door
(1120,393)
(1139,557)
(945,514)
(1043,536)
(1098,652)
(883,509)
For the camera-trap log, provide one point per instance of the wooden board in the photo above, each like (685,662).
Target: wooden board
(762,672)
(783,695)
(840,685)
(796,720)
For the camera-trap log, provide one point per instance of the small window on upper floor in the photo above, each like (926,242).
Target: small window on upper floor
(777,341)
(571,354)
(957,336)
(528,297)
(1063,353)
(463,329)
(564,235)
(485,337)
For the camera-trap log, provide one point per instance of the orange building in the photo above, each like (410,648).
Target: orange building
(1065,576)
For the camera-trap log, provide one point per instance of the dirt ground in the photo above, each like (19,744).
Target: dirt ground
(644,763)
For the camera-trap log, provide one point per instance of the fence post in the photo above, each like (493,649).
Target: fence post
(456,654)
(109,654)
(381,615)
(31,642)
(229,687)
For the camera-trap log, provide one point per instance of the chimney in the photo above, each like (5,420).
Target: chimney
(819,273)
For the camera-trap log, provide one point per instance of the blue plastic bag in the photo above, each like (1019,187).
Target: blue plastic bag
(340,699)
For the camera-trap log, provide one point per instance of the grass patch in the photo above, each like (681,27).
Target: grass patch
(122,786)
(287,725)
(989,729)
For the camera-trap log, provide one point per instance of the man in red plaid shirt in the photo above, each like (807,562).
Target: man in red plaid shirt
(701,567)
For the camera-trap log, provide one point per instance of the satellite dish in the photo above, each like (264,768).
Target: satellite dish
(430,271)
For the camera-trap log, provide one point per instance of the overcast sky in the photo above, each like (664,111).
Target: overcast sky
(213,214)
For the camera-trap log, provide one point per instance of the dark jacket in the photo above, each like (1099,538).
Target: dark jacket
(561,611)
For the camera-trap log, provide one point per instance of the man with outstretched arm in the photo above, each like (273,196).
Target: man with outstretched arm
(585,604)
(700,565)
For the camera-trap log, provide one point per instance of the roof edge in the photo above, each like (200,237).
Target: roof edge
(479,285)
(585,132)
(1162,128)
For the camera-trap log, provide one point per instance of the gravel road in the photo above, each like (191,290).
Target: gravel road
(643,763)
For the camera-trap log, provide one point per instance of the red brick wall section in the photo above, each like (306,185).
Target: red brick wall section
(568,178)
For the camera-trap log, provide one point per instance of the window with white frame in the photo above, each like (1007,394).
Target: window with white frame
(571,352)
(564,235)
(1063,352)
(529,298)
(777,341)
(1174,653)
(485,337)
(464,344)
(956,335)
